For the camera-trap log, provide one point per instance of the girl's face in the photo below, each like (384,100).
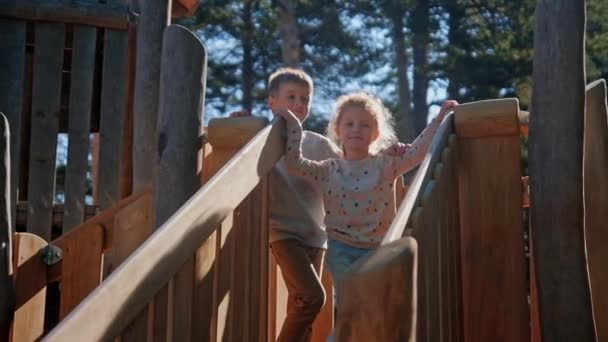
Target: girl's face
(357,129)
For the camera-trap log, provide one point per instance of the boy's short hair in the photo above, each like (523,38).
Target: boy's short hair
(288,75)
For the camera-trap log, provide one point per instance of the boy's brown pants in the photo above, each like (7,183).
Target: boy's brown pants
(301,266)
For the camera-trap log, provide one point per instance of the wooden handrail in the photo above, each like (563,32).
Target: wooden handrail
(424,173)
(119,299)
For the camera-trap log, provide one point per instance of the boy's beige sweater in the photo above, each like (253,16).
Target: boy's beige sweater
(296,203)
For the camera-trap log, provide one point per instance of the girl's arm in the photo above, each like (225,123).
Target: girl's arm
(313,170)
(416,152)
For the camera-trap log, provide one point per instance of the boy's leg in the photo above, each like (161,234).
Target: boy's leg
(301,268)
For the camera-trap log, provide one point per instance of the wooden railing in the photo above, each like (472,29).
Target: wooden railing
(120,298)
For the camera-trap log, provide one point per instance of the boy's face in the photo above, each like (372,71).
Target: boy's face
(291,96)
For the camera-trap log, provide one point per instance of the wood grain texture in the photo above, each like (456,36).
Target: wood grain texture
(48,64)
(113,15)
(30,283)
(556,171)
(80,266)
(112,116)
(381,301)
(595,181)
(81,92)
(7,288)
(493,270)
(12,83)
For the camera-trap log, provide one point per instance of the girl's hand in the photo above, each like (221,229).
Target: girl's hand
(397,149)
(287,115)
(446,107)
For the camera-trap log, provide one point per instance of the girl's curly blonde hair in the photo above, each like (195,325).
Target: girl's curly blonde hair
(374,106)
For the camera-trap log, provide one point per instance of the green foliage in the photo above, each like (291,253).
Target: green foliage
(597,39)
(477,49)
(489,52)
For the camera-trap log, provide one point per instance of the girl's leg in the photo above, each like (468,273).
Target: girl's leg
(340,258)
(301,268)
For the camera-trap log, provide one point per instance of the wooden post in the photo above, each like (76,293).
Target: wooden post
(182,92)
(12,82)
(7,290)
(596,200)
(154,17)
(556,161)
(491,232)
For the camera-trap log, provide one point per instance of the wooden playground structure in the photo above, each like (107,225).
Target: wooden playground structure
(173,245)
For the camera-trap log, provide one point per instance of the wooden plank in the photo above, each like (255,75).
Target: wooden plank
(492,240)
(46,94)
(114,15)
(125,292)
(112,115)
(261,254)
(429,223)
(81,92)
(80,265)
(386,279)
(30,282)
(205,268)
(451,240)
(596,200)
(12,83)
(7,289)
(225,279)
(455,224)
(126,179)
(556,171)
(131,224)
(154,17)
(422,302)
(58,212)
(442,249)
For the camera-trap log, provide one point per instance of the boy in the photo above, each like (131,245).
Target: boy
(297,235)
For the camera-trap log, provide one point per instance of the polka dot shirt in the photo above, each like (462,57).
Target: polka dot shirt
(358,195)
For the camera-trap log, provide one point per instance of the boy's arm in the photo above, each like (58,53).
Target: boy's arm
(314,170)
(419,147)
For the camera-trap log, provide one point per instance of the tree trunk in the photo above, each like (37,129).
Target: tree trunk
(405,124)
(247,36)
(420,26)
(288,23)
(456,37)
(556,159)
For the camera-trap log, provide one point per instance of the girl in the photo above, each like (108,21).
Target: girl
(358,192)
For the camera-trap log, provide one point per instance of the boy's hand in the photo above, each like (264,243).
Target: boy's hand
(446,107)
(239,114)
(397,149)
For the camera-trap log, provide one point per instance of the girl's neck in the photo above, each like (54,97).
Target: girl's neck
(356,154)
